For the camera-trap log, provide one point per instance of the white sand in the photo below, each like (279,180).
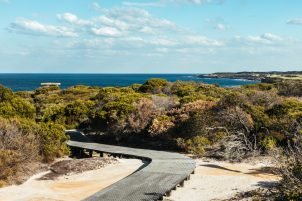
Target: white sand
(69,188)
(212,182)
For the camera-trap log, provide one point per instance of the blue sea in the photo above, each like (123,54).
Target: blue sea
(28,82)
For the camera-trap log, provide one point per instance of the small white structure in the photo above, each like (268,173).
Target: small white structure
(50,84)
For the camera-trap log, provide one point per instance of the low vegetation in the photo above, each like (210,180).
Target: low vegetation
(206,120)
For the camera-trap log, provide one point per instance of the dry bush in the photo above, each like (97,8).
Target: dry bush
(290,187)
(161,125)
(264,98)
(240,142)
(236,119)
(188,110)
(164,102)
(290,88)
(197,106)
(238,146)
(138,120)
(18,145)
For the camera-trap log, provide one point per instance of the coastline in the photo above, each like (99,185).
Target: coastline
(30,82)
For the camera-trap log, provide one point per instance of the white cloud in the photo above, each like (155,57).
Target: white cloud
(202,40)
(143,4)
(196,1)
(106,31)
(135,20)
(163,42)
(264,39)
(200,1)
(97,7)
(119,29)
(217,23)
(106,21)
(73,19)
(87,44)
(130,21)
(162,50)
(33,27)
(271,37)
(297,21)
(139,45)
(165,2)
(220,27)
(115,22)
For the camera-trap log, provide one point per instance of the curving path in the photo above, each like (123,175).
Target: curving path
(163,172)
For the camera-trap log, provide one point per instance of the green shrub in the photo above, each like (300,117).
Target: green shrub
(194,97)
(155,86)
(183,89)
(259,86)
(136,87)
(46,90)
(259,116)
(5,94)
(291,107)
(77,112)
(54,113)
(53,141)
(9,163)
(112,107)
(196,145)
(14,106)
(217,136)
(160,125)
(268,143)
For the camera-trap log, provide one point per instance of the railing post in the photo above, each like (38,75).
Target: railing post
(81,153)
(182,184)
(168,194)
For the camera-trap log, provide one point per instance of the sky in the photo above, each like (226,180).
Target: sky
(150,36)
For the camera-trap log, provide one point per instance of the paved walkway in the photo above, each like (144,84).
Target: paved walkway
(163,172)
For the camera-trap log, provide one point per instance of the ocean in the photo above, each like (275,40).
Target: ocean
(28,82)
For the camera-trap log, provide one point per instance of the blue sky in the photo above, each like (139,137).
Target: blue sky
(149,36)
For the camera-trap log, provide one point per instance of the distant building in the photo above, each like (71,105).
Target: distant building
(50,84)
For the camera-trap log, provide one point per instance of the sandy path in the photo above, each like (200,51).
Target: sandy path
(220,180)
(70,188)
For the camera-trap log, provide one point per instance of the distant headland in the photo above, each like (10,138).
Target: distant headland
(267,77)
